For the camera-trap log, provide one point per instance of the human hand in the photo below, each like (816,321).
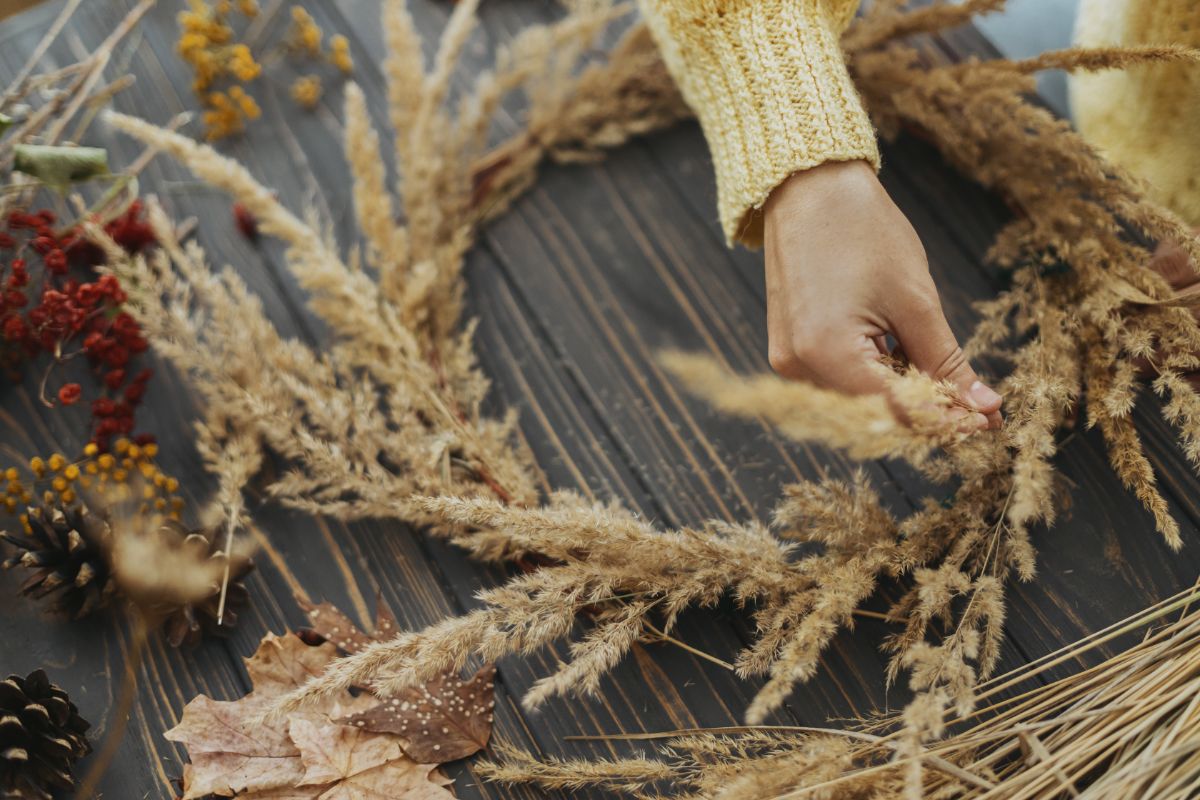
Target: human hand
(1172,262)
(844,268)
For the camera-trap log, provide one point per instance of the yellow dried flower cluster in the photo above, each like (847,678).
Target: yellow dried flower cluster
(306,90)
(305,35)
(304,39)
(127,473)
(206,42)
(339,54)
(228,112)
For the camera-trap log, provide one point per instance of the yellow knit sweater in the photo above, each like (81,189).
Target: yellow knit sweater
(767,81)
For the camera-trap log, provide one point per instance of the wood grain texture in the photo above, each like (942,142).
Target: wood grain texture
(577,289)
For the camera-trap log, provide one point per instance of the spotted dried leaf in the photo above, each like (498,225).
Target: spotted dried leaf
(444,720)
(332,625)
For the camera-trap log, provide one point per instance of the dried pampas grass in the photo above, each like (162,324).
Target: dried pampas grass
(1124,728)
(912,421)
(388,422)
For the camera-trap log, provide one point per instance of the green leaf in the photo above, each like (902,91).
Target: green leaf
(60,166)
(5,122)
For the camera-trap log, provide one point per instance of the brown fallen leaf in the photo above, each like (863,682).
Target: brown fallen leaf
(236,750)
(334,626)
(333,752)
(396,780)
(232,747)
(282,663)
(444,720)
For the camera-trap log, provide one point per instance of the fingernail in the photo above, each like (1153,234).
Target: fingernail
(983,397)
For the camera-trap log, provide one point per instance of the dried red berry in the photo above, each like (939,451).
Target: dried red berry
(70,393)
(246,222)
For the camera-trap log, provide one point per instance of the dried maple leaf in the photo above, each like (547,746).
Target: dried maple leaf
(231,747)
(237,751)
(446,719)
(334,752)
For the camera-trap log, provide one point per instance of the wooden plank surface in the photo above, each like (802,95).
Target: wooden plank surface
(577,288)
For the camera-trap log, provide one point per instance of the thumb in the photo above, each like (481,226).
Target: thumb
(925,336)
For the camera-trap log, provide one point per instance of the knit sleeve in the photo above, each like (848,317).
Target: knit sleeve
(767,80)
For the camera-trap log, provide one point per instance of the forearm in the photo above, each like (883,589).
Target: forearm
(768,83)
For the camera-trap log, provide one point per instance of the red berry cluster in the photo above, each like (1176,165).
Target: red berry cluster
(63,317)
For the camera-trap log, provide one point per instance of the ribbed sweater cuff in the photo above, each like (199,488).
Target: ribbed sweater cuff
(770,86)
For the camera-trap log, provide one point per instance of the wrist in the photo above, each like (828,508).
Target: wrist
(816,188)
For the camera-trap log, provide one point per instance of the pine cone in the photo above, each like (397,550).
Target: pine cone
(41,738)
(187,624)
(67,551)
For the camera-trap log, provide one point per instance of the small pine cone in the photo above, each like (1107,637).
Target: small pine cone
(41,738)
(188,624)
(66,549)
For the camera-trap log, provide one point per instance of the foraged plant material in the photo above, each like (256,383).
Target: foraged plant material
(392,411)
(207,43)
(866,427)
(325,751)
(186,578)
(223,63)
(57,106)
(48,316)
(107,527)
(53,307)
(442,720)
(387,423)
(1125,728)
(41,738)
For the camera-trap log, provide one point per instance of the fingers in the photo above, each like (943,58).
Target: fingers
(922,331)
(835,359)
(1172,262)
(848,361)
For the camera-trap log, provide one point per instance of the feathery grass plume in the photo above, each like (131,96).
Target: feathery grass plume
(1124,728)
(865,426)
(397,322)
(387,422)
(891,20)
(601,554)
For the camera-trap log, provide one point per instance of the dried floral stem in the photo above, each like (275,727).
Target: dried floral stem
(120,711)
(386,421)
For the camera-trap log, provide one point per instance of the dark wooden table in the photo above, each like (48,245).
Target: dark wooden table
(594,270)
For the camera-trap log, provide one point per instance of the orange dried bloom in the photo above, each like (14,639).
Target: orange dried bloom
(306,91)
(339,54)
(242,64)
(305,34)
(55,478)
